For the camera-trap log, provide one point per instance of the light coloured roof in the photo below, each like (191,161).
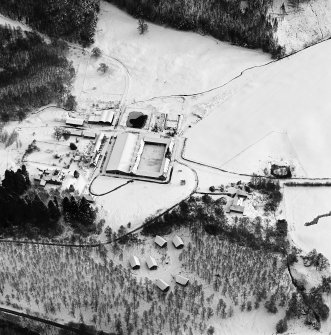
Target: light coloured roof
(162,285)
(107,116)
(181,280)
(151,262)
(75,132)
(134,261)
(122,154)
(89,133)
(74,121)
(177,241)
(160,241)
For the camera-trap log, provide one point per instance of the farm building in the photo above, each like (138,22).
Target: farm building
(122,155)
(181,280)
(89,134)
(134,262)
(75,132)
(236,203)
(160,241)
(74,122)
(98,143)
(162,285)
(177,242)
(106,117)
(151,263)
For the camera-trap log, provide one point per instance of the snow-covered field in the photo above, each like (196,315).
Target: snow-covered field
(139,200)
(165,61)
(279,112)
(302,205)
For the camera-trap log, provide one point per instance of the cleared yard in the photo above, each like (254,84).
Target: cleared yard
(152,157)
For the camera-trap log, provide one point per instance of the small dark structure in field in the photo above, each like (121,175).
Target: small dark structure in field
(281,171)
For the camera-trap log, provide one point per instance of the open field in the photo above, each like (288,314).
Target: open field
(302,205)
(139,200)
(295,105)
(165,61)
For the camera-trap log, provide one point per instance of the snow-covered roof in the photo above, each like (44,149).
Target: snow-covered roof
(160,241)
(107,116)
(134,262)
(151,262)
(75,132)
(177,241)
(181,280)
(74,121)
(162,285)
(89,133)
(122,154)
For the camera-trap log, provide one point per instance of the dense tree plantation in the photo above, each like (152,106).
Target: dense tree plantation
(29,212)
(33,73)
(244,23)
(74,20)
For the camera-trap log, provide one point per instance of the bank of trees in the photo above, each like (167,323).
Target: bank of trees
(243,23)
(26,211)
(73,20)
(33,72)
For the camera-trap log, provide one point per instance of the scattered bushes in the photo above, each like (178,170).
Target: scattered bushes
(73,146)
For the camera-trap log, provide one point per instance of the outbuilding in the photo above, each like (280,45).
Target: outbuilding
(74,121)
(151,263)
(162,285)
(160,241)
(178,242)
(134,262)
(181,280)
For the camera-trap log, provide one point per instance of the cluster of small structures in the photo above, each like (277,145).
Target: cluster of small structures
(152,264)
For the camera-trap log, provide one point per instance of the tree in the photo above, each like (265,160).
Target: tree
(103,68)
(76,174)
(96,52)
(54,212)
(66,134)
(70,103)
(211,330)
(58,132)
(142,26)
(281,326)
(73,146)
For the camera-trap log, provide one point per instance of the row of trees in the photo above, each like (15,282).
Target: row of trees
(33,73)
(25,211)
(209,214)
(243,23)
(73,20)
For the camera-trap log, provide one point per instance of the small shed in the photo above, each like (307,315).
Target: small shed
(134,262)
(160,241)
(151,263)
(181,280)
(42,182)
(162,285)
(178,242)
(74,121)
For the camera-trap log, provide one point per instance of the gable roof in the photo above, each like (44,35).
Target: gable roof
(181,280)
(160,241)
(151,262)
(177,241)
(162,285)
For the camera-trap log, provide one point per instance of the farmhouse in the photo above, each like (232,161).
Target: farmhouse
(181,280)
(162,285)
(178,242)
(74,122)
(134,262)
(151,263)
(160,241)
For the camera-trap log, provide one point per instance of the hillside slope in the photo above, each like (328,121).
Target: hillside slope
(276,26)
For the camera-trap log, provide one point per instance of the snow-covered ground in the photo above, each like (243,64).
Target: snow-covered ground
(137,201)
(302,205)
(165,61)
(279,112)
(302,26)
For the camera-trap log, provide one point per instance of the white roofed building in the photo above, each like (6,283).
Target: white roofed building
(151,263)
(181,280)
(162,285)
(74,122)
(160,241)
(178,242)
(134,262)
(122,156)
